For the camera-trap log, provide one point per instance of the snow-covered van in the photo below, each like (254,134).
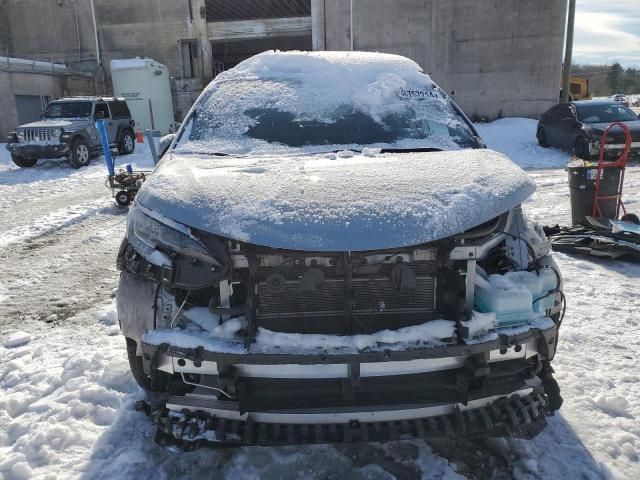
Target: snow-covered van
(327,252)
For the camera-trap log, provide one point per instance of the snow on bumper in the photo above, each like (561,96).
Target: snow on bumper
(487,387)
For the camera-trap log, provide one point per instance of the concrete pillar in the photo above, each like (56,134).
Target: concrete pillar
(199,29)
(318,25)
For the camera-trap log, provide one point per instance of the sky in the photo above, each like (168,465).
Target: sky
(607,31)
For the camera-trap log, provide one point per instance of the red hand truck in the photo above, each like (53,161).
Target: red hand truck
(620,163)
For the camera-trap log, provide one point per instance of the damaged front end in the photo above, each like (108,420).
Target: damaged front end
(246,344)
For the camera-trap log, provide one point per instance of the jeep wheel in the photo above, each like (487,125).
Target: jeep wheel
(79,155)
(126,143)
(123,199)
(23,162)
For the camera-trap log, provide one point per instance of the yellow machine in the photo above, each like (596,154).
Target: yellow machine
(579,89)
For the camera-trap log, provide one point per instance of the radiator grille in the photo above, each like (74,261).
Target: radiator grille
(372,302)
(37,134)
(376,296)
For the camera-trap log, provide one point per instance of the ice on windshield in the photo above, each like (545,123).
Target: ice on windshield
(329,101)
(68,110)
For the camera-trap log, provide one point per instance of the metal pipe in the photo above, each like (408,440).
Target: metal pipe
(95,30)
(351,23)
(568,52)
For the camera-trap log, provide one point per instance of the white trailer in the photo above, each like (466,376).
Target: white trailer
(144,84)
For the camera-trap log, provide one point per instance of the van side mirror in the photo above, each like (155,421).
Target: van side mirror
(165,143)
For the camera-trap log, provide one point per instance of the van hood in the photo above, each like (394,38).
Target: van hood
(331,203)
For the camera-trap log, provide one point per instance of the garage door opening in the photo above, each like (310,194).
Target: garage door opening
(228,54)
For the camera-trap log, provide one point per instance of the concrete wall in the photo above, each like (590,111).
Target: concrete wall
(499,57)
(14,83)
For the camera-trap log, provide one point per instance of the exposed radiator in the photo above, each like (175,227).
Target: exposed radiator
(372,303)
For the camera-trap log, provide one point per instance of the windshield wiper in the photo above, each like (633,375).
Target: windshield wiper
(404,150)
(208,154)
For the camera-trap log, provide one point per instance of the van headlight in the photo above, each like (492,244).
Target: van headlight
(157,241)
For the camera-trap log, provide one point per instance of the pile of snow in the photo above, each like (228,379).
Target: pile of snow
(516,138)
(430,333)
(17,339)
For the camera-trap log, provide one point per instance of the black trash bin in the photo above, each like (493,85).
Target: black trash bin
(582,186)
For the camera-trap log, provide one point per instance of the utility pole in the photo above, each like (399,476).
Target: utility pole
(95,30)
(568,52)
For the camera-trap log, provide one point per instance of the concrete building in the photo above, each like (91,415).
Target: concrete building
(26,86)
(500,57)
(195,39)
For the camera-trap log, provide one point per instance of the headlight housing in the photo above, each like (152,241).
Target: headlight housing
(20,134)
(184,261)
(148,236)
(56,132)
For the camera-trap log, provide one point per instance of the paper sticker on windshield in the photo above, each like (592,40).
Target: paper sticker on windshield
(418,93)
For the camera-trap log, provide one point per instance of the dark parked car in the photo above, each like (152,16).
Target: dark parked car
(579,126)
(67,129)
(623,99)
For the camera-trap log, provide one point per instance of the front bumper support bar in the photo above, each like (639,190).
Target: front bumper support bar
(514,416)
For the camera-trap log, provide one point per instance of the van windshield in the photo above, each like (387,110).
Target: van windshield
(275,114)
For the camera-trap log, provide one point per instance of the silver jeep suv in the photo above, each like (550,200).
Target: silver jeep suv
(67,128)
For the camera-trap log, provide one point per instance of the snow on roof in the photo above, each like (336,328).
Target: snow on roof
(133,63)
(318,87)
(36,65)
(273,61)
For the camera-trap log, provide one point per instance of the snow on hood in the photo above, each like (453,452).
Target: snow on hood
(328,203)
(56,123)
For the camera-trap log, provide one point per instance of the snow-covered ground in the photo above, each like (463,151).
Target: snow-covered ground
(66,395)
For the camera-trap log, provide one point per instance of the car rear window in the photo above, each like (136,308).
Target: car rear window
(119,109)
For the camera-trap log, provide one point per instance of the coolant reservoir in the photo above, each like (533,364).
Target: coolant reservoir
(510,301)
(539,284)
(510,296)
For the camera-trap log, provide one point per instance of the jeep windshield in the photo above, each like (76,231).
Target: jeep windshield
(68,110)
(279,114)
